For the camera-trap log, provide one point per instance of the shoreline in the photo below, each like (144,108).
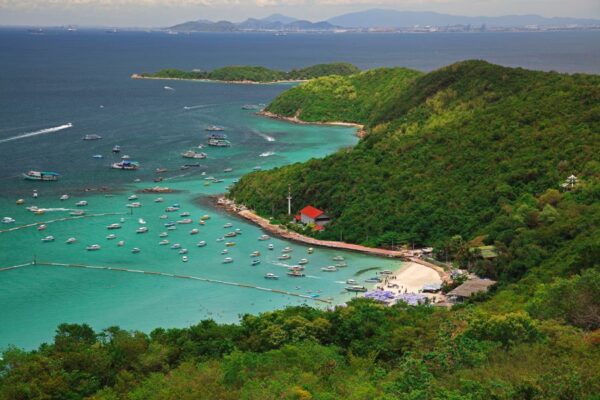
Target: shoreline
(407,256)
(360,129)
(242,82)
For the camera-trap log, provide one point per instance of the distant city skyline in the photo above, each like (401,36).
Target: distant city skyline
(157,13)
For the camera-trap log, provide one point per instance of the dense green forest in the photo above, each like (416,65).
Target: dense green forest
(258,74)
(468,155)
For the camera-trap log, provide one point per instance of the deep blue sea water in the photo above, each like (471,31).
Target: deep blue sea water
(83,78)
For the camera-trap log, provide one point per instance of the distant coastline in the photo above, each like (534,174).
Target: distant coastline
(236,82)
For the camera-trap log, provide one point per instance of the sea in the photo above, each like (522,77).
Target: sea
(58,86)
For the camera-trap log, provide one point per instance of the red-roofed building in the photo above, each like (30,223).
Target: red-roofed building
(312,215)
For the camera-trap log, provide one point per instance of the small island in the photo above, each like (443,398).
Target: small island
(253,74)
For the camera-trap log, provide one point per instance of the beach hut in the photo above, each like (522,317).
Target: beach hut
(312,215)
(469,288)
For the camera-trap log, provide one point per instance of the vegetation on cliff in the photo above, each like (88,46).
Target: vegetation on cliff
(257,73)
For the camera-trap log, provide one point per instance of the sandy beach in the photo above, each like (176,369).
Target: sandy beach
(411,278)
(360,129)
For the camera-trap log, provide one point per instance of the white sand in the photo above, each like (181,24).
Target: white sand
(412,277)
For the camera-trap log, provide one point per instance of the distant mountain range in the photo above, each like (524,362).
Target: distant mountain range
(376,19)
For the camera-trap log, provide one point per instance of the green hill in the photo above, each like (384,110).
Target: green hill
(470,150)
(256,73)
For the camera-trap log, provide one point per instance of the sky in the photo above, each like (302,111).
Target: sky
(159,13)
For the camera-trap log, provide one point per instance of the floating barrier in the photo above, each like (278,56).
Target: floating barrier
(169,275)
(16,228)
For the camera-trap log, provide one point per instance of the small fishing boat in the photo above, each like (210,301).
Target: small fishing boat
(8,220)
(135,204)
(48,239)
(356,288)
(81,203)
(284,257)
(228,225)
(163,234)
(20,201)
(311,250)
(214,128)
(224,251)
(351,282)
(116,149)
(271,246)
(159,200)
(121,243)
(171,228)
(185,214)
(185,221)
(255,254)
(185,258)
(77,213)
(201,243)
(218,142)
(126,165)
(264,237)
(135,250)
(227,260)
(41,176)
(270,275)
(71,240)
(141,221)
(176,246)
(93,247)
(296,274)
(330,268)
(141,229)
(164,216)
(42,227)
(132,197)
(170,223)
(171,209)
(255,262)
(183,251)
(230,244)
(193,154)
(338,258)
(111,236)
(220,239)
(341,264)
(163,242)
(230,234)
(91,137)
(286,250)
(113,226)
(303,261)
(64,197)
(194,231)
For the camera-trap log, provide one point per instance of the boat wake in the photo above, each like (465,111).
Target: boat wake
(36,133)
(266,154)
(265,136)
(187,108)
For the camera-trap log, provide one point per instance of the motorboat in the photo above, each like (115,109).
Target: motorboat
(374,279)
(257,168)
(135,204)
(163,242)
(338,258)
(296,274)
(303,261)
(113,226)
(126,165)
(183,251)
(171,228)
(227,260)
(92,137)
(171,209)
(270,275)
(163,234)
(286,250)
(218,142)
(135,250)
(132,197)
(284,257)
(194,231)
(229,244)
(122,219)
(48,239)
(81,203)
(98,156)
(141,221)
(170,223)
(220,239)
(271,246)
(228,225)
(160,170)
(296,268)
(121,243)
(41,176)
(201,243)
(93,247)
(264,237)
(255,262)
(116,149)
(159,200)
(20,201)
(205,217)
(185,214)
(230,234)
(224,251)
(71,240)
(141,229)
(164,216)
(111,236)
(185,258)
(356,288)
(193,154)
(311,250)
(228,170)
(351,282)
(201,222)
(255,254)
(42,227)
(238,231)
(330,268)
(341,264)
(8,220)
(64,197)
(386,272)
(214,128)
(185,221)
(77,213)
(125,157)
(176,246)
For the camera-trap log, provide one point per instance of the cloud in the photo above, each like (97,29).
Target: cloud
(21,4)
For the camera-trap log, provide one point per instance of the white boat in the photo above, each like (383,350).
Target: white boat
(92,137)
(121,243)
(215,128)
(113,226)
(163,234)
(270,275)
(220,239)
(111,236)
(93,247)
(159,200)
(122,219)
(351,282)
(264,237)
(185,221)
(230,234)
(227,260)
(135,250)
(194,231)
(185,214)
(228,225)
(255,254)
(341,264)
(77,213)
(228,170)
(171,228)
(238,231)
(142,229)
(8,220)
(255,262)
(71,240)
(183,251)
(284,257)
(329,268)
(296,268)
(116,149)
(48,239)
(81,203)
(338,258)
(132,197)
(126,165)
(141,221)
(64,197)
(303,261)
(125,157)
(201,243)
(271,246)
(224,251)
(193,154)
(311,250)
(171,209)
(286,250)
(185,258)
(163,242)
(41,227)
(135,204)
(176,246)
(164,216)
(356,288)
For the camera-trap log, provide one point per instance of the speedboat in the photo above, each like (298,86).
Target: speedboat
(215,128)
(141,221)
(351,282)
(163,242)
(163,234)
(77,213)
(183,251)
(296,274)
(264,237)
(176,246)
(111,236)
(135,250)
(287,250)
(158,200)
(92,137)
(228,225)
(113,226)
(135,204)
(311,250)
(341,264)
(201,243)
(205,217)
(8,220)
(64,197)
(338,258)
(132,197)
(48,239)
(228,170)
(171,209)
(121,243)
(42,227)
(185,214)
(229,244)
(185,258)
(171,228)
(193,154)
(224,251)
(93,247)
(255,262)
(255,254)
(284,257)
(164,216)
(170,223)
(185,221)
(270,275)
(330,268)
(142,229)
(303,261)
(126,165)
(98,156)
(81,203)
(227,260)
(71,240)
(356,288)
(116,149)
(230,234)
(271,246)
(194,231)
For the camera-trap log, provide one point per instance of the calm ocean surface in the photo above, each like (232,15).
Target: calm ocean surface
(82,78)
